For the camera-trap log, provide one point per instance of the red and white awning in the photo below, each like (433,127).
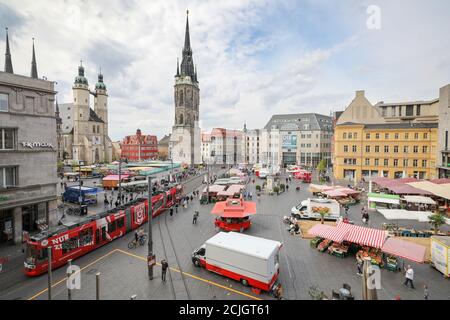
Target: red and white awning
(405,249)
(363,236)
(328,232)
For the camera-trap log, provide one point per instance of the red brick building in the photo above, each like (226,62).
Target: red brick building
(139,147)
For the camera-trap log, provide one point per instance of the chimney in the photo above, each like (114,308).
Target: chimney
(360,94)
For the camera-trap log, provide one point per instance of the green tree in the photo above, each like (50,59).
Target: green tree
(258,188)
(322,166)
(323,212)
(276,190)
(436,220)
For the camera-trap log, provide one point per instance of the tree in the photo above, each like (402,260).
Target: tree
(276,190)
(436,220)
(258,188)
(323,212)
(322,166)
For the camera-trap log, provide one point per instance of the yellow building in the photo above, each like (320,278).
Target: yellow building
(393,140)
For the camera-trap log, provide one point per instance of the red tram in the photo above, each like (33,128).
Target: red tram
(71,242)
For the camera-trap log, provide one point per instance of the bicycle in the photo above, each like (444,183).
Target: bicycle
(134,244)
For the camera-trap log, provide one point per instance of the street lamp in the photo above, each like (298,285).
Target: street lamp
(150,256)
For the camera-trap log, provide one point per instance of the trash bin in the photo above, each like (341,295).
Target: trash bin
(84,210)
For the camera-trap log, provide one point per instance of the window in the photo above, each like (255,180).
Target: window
(395,162)
(355,135)
(424,149)
(7,139)
(386,136)
(409,111)
(418,110)
(367,149)
(386,162)
(345,148)
(367,162)
(396,136)
(425,135)
(395,149)
(405,162)
(416,136)
(415,163)
(424,163)
(400,111)
(383,111)
(377,136)
(344,136)
(4,105)
(405,149)
(415,149)
(368,136)
(354,149)
(8,177)
(350,135)
(112,226)
(377,149)
(377,162)
(386,149)
(406,136)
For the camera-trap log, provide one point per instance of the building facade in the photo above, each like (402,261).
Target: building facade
(139,147)
(222,146)
(443,156)
(186,135)
(85,131)
(387,139)
(28,153)
(163,148)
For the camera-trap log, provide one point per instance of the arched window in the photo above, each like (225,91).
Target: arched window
(181,98)
(181,119)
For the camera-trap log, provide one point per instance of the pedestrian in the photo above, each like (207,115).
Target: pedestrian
(346,210)
(409,276)
(426,294)
(366,217)
(164,266)
(195,217)
(359,265)
(250,196)
(106,203)
(287,180)
(287,187)
(171,211)
(192,198)
(176,207)
(123,198)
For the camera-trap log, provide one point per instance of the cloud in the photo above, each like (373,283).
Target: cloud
(254,58)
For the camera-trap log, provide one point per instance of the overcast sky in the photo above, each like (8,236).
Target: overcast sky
(254,58)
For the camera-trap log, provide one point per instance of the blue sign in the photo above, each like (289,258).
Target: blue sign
(289,141)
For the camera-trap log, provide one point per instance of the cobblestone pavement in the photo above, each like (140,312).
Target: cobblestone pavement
(124,271)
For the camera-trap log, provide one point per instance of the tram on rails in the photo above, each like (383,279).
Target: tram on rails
(72,241)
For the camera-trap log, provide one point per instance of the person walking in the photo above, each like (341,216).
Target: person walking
(195,217)
(171,212)
(192,198)
(176,207)
(287,188)
(164,267)
(409,276)
(359,265)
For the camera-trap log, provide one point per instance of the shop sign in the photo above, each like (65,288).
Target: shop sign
(32,145)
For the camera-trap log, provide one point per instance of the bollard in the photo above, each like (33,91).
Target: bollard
(69,273)
(97,278)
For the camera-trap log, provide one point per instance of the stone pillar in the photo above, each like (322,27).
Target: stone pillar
(17,213)
(52,215)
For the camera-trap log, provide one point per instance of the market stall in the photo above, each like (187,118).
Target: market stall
(396,248)
(112,181)
(234,214)
(213,191)
(375,200)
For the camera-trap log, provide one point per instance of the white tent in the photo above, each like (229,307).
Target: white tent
(419,199)
(398,214)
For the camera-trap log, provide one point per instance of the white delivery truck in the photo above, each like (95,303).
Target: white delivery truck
(311,208)
(251,260)
(440,254)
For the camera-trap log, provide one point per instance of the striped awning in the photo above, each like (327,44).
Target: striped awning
(328,232)
(405,249)
(363,236)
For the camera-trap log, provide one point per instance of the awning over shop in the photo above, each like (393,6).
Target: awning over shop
(347,191)
(328,232)
(334,193)
(399,214)
(404,249)
(115,177)
(419,199)
(234,208)
(362,235)
(319,188)
(214,188)
(383,198)
(440,190)
(408,189)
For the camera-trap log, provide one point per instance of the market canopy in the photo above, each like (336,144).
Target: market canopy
(347,190)
(115,177)
(334,193)
(400,214)
(234,208)
(404,249)
(440,190)
(419,199)
(362,235)
(214,188)
(328,232)
(383,198)
(319,188)
(408,189)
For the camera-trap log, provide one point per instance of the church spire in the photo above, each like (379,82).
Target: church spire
(187,64)
(8,62)
(34,73)
(178,67)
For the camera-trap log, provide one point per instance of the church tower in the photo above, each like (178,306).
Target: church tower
(185,139)
(101,101)
(81,112)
